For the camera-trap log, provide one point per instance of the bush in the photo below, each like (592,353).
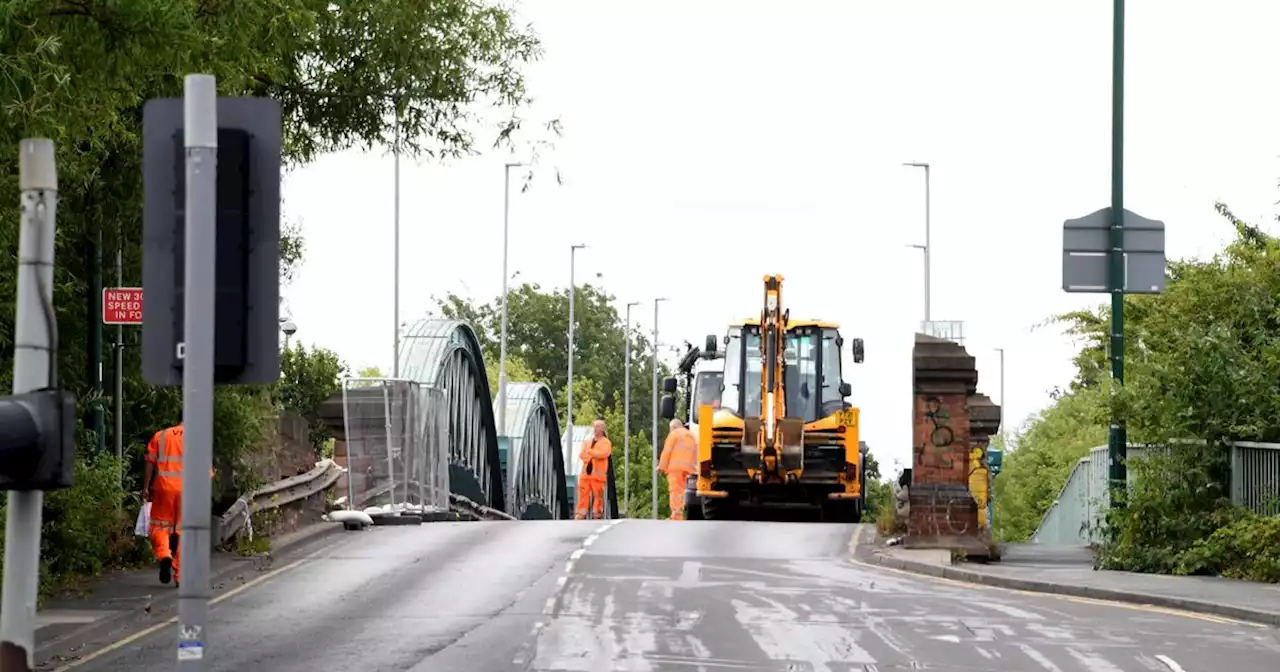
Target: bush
(1246,547)
(88,529)
(1178,519)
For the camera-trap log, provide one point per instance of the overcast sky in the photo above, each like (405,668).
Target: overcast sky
(708,143)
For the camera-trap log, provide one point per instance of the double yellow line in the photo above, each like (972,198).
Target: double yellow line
(160,626)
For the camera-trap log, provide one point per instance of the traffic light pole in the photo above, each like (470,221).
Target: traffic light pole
(33,348)
(200,124)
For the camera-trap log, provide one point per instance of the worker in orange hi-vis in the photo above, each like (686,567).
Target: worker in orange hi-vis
(595,472)
(679,461)
(164,469)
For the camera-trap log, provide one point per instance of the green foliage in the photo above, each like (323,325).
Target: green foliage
(517,372)
(1201,363)
(1245,546)
(88,529)
(1176,499)
(79,73)
(537,336)
(307,380)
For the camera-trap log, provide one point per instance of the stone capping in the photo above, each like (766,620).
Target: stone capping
(984,416)
(942,366)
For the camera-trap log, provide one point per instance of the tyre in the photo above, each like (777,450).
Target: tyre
(692,505)
(714,508)
(842,511)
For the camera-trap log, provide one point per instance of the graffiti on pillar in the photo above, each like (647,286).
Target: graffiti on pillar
(945,512)
(934,450)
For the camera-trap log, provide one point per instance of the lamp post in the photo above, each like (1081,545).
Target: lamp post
(568,449)
(395,354)
(926,246)
(502,340)
(654,438)
(1003,409)
(626,417)
(289,328)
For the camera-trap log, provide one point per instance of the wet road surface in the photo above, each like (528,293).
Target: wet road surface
(656,596)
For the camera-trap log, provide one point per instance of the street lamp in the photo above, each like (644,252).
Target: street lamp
(289,327)
(626,418)
(1003,410)
(502,341)
(568,456)
(925,247)
(654,440)
(395,150)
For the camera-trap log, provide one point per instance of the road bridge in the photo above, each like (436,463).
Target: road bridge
(519,470)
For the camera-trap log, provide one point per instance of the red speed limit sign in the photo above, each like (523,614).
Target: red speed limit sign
(122,305)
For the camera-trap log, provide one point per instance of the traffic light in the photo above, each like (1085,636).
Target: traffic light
(38,440)
(246,307)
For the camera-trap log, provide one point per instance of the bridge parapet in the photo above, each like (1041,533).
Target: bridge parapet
(943,512)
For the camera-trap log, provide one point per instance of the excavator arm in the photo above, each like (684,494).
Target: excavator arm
(778,438)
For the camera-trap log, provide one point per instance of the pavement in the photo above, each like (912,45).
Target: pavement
(124,602)
(587,596)
(1068,570)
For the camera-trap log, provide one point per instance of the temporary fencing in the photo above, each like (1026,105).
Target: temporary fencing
(397,445)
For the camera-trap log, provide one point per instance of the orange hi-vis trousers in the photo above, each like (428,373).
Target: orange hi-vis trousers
(166,521)
(590,493)
(677,481)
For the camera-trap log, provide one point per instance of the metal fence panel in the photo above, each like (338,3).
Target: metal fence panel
(397,444)
(1255,476)
(1255,485)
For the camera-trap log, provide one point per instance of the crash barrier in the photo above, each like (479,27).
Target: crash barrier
(396,445)
(1076,516)
(239,518)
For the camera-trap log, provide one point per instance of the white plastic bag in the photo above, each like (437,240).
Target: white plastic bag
(142,528)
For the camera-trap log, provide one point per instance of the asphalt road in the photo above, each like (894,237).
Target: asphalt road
(655,596)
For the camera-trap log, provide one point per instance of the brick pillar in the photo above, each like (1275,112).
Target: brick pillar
(943,513)
(984,420)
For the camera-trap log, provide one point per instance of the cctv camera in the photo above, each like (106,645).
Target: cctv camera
(288,327)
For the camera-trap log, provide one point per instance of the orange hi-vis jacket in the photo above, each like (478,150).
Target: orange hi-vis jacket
(165,451)
(595,453)
(679,453)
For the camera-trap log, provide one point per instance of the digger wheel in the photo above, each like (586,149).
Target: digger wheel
(842,511)
(714,508)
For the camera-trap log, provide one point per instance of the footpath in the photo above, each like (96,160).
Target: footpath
(1067,570)
(122,603)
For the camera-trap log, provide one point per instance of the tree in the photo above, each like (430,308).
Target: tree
(537,336)
(307,380)
(517,372)
(1044,453)
(1201,361)
(79,73)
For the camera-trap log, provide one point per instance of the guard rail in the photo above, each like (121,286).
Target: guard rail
(287,491)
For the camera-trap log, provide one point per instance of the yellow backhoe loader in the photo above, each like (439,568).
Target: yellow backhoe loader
(783,436)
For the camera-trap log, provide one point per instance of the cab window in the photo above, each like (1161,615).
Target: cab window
(831,373)
(800,374)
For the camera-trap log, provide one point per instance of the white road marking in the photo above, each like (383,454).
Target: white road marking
(1039,658)
(1093,661)
(1169,663)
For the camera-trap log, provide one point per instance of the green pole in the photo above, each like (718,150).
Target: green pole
(1117,442)
(95,344)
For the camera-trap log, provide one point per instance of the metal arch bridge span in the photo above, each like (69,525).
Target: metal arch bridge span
(534,464)
(445,354)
